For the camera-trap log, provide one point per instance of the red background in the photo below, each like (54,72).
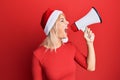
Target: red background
(20,34)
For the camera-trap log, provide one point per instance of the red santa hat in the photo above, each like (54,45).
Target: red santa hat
(48,19)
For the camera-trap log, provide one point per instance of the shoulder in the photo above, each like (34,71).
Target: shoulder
(39,52)
(70,45)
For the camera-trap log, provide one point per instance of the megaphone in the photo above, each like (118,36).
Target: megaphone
(91,17)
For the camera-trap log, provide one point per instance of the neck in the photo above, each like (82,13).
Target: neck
(55,44)
(58,43)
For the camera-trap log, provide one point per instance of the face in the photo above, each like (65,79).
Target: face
(61,26)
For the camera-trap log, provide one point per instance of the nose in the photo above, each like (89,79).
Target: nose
(67,22)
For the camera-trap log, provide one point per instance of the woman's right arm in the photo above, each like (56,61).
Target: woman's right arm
(36,69)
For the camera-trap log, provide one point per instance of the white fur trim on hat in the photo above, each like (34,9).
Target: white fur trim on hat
(51,21)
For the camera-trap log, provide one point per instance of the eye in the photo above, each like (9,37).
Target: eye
(62,20)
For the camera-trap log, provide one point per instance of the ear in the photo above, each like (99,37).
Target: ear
(53,30)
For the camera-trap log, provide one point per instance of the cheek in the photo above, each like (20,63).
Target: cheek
(60,28)
(61,31)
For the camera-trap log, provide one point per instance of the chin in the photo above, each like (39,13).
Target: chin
(64,35)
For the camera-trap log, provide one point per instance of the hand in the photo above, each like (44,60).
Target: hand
(89,35)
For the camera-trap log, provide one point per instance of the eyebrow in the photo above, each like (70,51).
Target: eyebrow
(61,18)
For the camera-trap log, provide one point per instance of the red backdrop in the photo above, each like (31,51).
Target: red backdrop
(20,34)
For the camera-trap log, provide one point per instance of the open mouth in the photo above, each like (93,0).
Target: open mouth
(66,30)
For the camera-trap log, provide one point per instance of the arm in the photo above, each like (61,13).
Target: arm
(81,59)
(91,60)
(36,69)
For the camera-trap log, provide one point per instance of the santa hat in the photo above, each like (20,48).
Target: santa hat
(48,19)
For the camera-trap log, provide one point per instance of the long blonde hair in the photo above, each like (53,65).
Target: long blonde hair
(51,39)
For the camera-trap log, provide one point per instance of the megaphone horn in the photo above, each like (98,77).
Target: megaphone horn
(91,17)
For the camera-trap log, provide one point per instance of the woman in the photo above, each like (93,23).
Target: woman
(55,58)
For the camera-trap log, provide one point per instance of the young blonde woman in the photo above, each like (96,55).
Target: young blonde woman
(55,58)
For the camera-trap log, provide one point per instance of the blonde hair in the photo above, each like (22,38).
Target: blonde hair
(51,38)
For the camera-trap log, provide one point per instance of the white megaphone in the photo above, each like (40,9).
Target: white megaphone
(91,17)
